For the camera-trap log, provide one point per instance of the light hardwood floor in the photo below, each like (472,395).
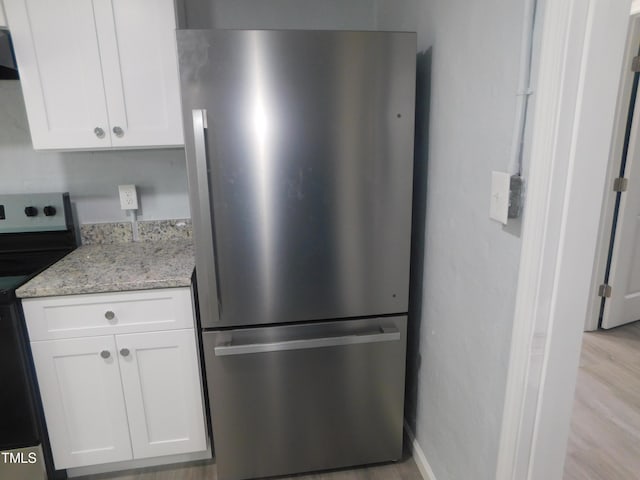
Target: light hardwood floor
(405,469)
(604,443)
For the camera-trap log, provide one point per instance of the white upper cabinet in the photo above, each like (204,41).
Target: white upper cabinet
(98,74)
(140,70)
(59,64)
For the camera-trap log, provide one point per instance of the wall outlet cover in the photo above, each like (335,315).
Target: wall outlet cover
(128,197)
(499,205)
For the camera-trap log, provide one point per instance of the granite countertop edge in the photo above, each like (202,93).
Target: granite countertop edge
(102,288)
(112,268)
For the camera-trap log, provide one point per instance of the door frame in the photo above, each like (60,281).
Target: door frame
(581,54)
(592,320)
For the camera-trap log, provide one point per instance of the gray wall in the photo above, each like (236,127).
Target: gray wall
(91,178)
(470,263)
(274,14)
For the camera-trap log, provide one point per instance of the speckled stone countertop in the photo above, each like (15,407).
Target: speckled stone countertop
(117,267)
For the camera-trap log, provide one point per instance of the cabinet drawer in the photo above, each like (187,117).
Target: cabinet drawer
(108,313)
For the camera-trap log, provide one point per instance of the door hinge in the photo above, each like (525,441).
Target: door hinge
(620,184)
(604,290)
(635,64)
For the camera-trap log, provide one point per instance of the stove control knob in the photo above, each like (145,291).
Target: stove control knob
(49,211)
(31,211)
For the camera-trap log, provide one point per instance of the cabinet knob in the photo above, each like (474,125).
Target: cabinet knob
(124,352)
(109,315)
(99,132)
(105,354)
(118,131)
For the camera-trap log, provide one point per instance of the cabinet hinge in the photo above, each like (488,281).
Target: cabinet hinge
(604,290)
(635,64)
(620,184)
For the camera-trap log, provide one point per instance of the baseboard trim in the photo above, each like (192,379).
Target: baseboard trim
(418,455)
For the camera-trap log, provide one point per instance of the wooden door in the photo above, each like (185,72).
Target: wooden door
(83,402)
(139,61)
(58,60)
(161,380)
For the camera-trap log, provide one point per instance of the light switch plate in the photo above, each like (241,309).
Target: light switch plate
(128,197)
(499,207)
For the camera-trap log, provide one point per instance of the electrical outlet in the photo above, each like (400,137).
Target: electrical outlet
(128,197)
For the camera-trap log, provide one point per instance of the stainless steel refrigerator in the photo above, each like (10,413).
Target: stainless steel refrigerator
(299,150)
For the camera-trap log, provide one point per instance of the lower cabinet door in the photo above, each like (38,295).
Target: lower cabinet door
(161,381)
(84,406)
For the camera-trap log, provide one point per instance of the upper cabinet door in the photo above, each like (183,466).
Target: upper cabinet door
(139,64)
(58,57)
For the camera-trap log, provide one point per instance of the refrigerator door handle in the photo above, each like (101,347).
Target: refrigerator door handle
(383,334)
(206,258)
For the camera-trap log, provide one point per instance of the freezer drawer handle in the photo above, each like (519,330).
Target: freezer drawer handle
(381,335)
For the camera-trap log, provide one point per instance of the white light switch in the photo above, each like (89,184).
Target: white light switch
(499,207)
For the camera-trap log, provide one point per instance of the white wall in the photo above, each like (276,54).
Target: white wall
(91,178)
(470,263)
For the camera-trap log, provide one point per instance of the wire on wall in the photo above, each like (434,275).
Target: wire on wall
(524,87)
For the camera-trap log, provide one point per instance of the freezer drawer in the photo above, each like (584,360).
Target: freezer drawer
(298,398)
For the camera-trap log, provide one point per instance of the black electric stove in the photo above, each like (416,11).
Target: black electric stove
(36,230)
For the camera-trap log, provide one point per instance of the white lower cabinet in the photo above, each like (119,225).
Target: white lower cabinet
(121,396)
(83,401)
(162,392)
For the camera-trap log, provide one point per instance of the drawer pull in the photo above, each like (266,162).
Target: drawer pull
(377,336)
(124,352)
(109,315)
(105,354)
